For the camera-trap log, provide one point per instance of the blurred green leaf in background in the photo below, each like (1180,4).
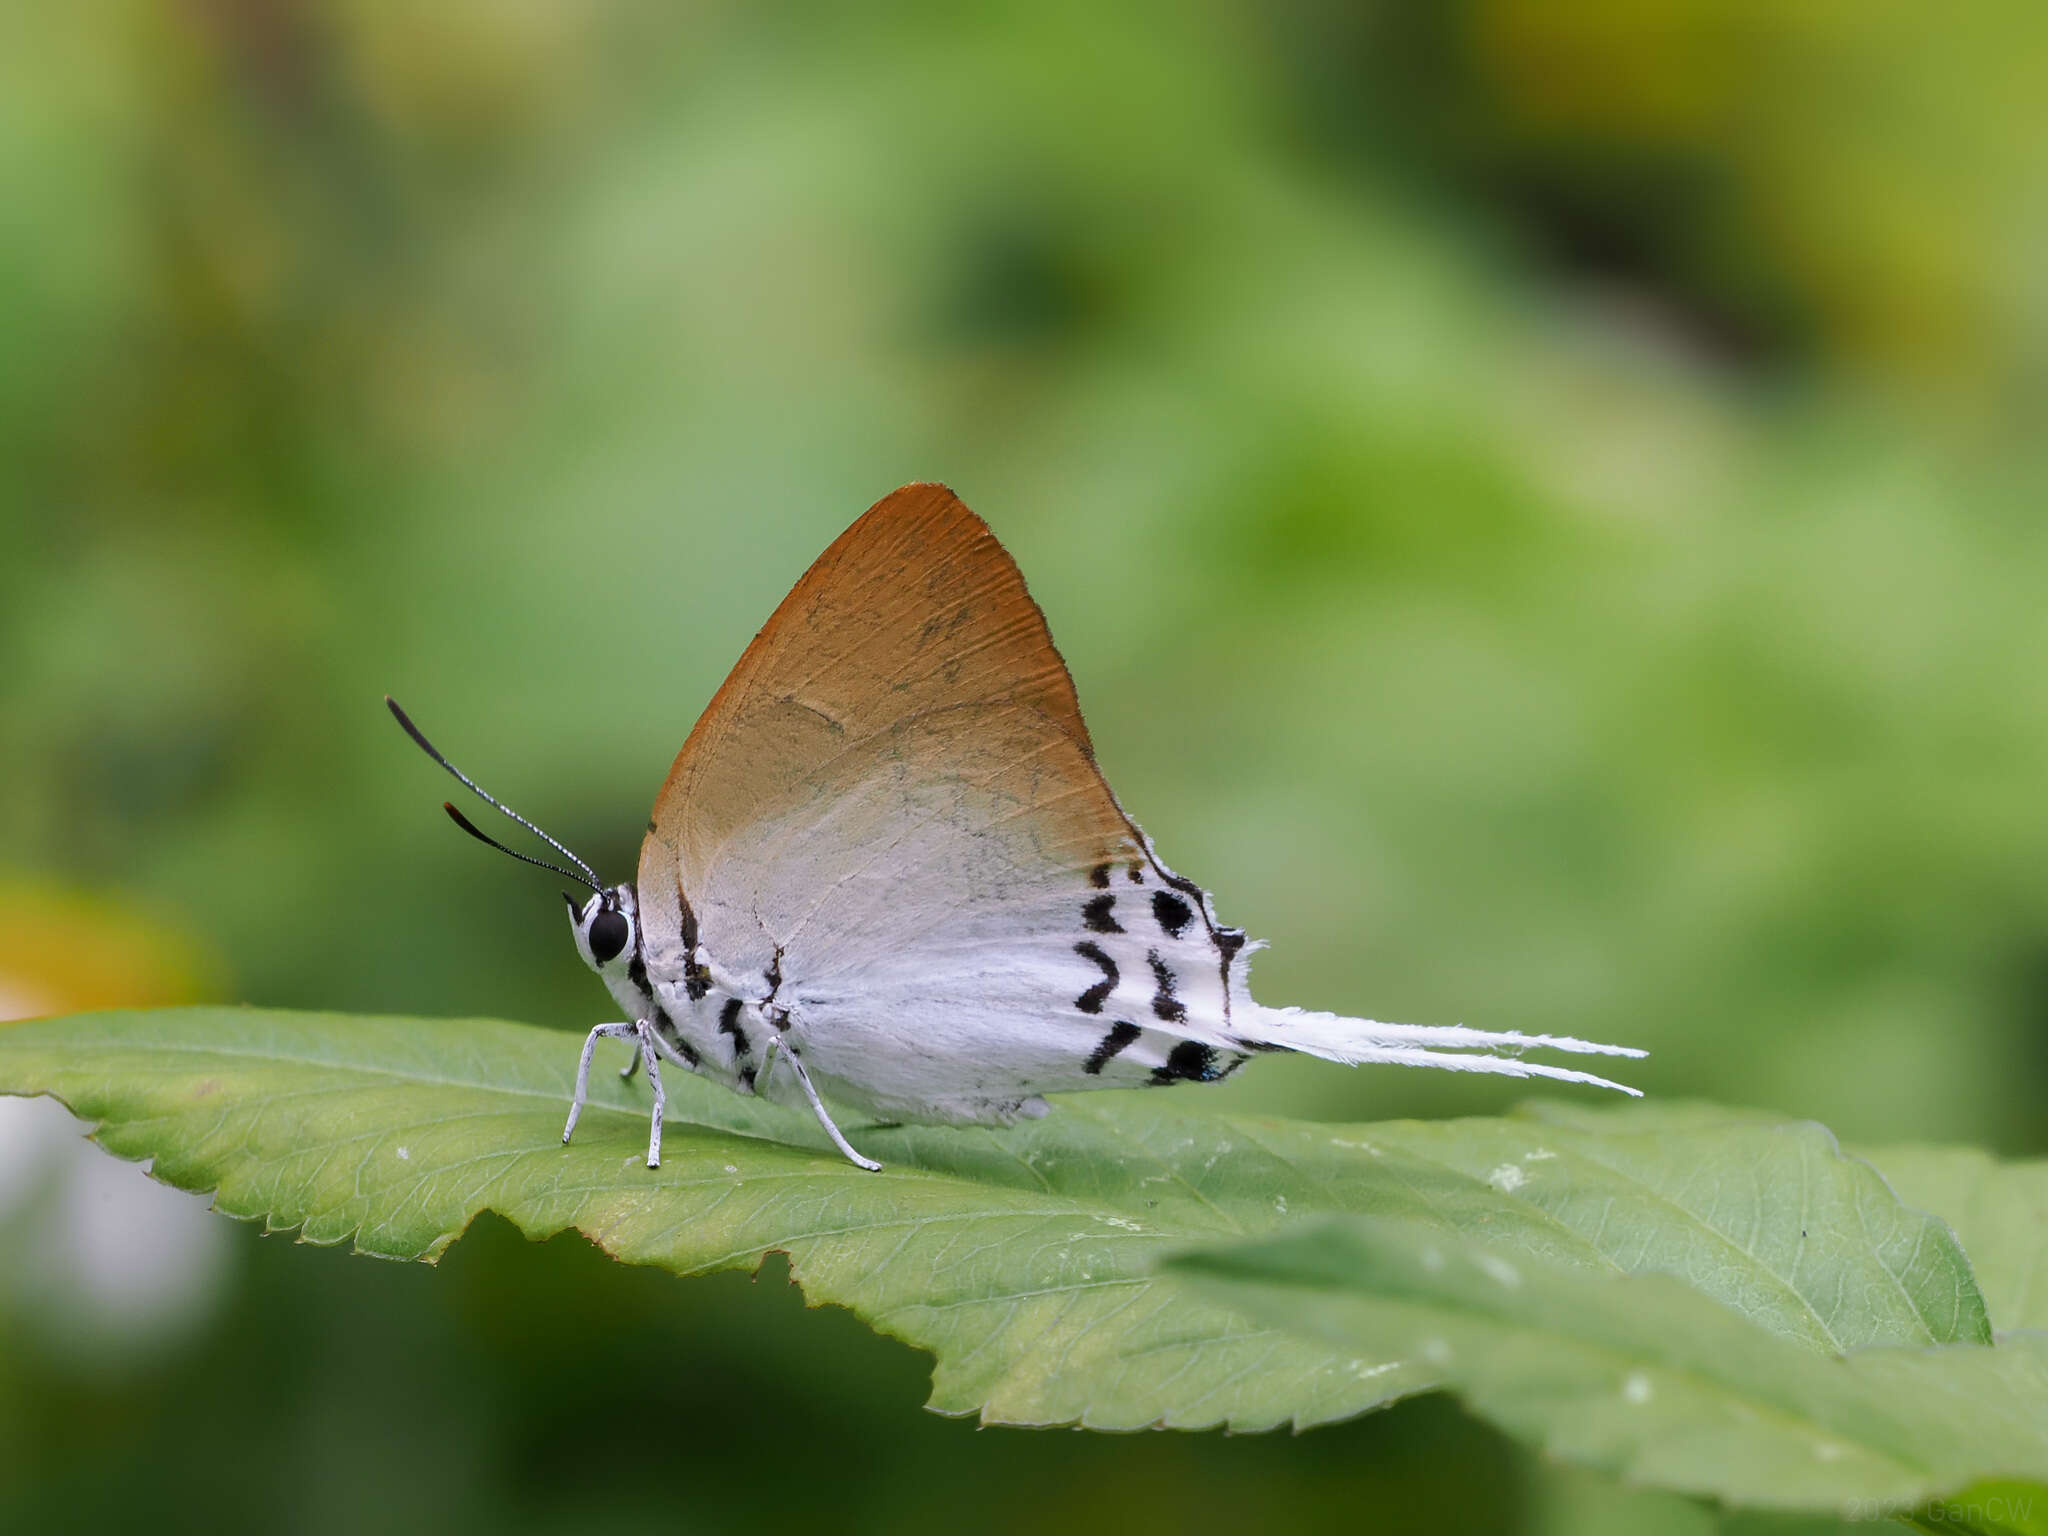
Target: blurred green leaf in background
(1542,505)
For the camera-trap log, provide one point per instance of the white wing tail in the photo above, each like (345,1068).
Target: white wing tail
(1357,1042)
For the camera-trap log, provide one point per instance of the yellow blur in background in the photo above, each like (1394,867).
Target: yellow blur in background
(1542,503)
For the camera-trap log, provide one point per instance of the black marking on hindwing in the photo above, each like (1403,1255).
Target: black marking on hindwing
(1189,1062)
(1099,877)
(1121,1034)
(696,980)
(1092,1000)
(1164,1004)
(1172,914)
(1096,916)
(1137,872)
(664,1024)
(689,920)
(729,1024)
(1228,941)
(666,1028)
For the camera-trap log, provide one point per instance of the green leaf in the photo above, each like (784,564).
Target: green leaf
(1767,1216)
(1998,1507)
(1644,1377)
(1024,1260)
(1999,1210)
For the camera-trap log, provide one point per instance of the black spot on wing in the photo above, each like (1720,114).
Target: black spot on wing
(1137,872)
(729,1024)
(1120,1035)
(666,1028)
(1099,877)
(696,982)
(746,1079)
(1189,1062)
(1172,914)
(1164,1004)
(1096,916)
(689,927)
(1092,1000)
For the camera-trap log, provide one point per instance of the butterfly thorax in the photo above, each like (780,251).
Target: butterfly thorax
(716,1025)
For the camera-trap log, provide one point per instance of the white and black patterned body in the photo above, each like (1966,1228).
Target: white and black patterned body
(886,857)
(886,871)
(1133,985)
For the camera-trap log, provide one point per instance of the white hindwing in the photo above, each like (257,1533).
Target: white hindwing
(887,840)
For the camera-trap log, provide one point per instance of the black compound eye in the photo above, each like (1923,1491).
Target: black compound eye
(609,931)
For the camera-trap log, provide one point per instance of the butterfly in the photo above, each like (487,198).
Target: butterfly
(885,871)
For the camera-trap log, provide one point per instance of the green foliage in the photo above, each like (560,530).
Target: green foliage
(1999,1210)
(1645,1377)
(1699,1299)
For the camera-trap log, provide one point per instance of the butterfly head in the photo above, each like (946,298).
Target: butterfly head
(607,928)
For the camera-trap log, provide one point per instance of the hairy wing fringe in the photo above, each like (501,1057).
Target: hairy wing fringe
(1357,1042)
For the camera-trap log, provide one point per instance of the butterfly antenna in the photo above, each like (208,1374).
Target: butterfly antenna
(482,836)
(589,875)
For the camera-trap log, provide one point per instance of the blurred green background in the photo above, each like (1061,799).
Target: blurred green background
(1542,503)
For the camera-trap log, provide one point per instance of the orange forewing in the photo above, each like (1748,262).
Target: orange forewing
(914,611)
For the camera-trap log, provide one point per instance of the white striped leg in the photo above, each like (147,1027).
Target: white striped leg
(777,1044)
(647,1044)
(602,1032)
